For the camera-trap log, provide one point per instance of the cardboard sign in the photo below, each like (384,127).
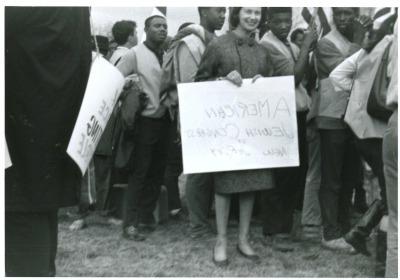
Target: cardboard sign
(226,127)
(102,92)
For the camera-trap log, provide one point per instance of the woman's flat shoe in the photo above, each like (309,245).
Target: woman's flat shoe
(223,263)
(247,256)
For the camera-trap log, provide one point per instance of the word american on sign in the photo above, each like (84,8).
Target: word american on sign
(225,127)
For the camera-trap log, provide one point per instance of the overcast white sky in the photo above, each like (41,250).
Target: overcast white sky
(104,17)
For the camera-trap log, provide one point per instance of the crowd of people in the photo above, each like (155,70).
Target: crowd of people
(346,103)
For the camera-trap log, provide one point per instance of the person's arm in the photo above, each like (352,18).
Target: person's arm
(392,92)
(281,66)
(208,67)
(343,75)
(187,66)
(270,70)
(328,57)
(127,63)
(302,61)
(126,66)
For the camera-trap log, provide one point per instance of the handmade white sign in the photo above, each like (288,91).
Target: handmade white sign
(226,127)
(102,92)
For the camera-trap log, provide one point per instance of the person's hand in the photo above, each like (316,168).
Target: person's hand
(311,37)
(364,21)
(131,80)
(361,26)
(235,78)
(255,78)
(374,36)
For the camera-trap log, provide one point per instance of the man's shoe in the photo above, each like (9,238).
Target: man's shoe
(148,228)
(114,221)
(338,244)
(77,225)
(359,233)
(280,242)
(177,214)
(201,232)
(147,223)
(132,233)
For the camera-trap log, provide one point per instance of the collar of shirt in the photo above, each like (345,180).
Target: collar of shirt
(286,43)
(158,53)
(208,36)
(241,41)
(122,48)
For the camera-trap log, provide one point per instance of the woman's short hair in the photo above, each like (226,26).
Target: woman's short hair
(234,16)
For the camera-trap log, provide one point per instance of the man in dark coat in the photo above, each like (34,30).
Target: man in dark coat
(47,63)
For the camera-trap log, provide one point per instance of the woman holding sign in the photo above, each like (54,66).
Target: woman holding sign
(231,57)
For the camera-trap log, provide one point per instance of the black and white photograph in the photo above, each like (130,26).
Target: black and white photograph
(201,140)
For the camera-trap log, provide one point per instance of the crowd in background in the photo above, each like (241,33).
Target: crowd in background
(346,108)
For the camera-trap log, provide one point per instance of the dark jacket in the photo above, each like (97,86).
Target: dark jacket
(223,55)
(47,63)
(228,52)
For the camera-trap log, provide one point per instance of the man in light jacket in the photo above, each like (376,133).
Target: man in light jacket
(147,163)
(357,75)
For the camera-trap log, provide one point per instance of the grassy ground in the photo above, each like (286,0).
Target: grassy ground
(99,250)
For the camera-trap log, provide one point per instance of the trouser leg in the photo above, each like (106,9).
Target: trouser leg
(103,183)
(303,154)
(173,168)
(53,227)
(371,150)
(155,173)
(147,170)
(280,202)
(30,244)
(352,176)
(311,214)
(332,156)
(390,157)
(87,191)
(199,195)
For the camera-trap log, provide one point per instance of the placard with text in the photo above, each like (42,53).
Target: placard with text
(102,92)
(225,127)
